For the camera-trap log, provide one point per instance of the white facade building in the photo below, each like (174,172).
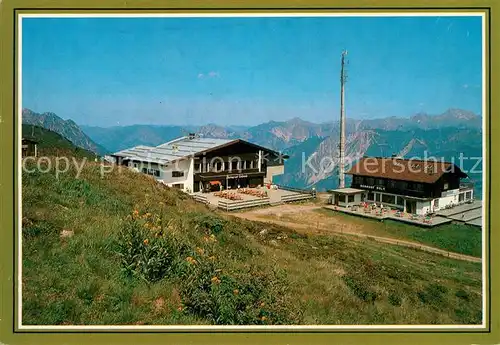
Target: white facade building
(193,164)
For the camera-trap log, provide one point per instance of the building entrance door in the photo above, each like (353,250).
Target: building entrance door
(411,207)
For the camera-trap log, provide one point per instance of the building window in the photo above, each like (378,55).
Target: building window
(350,198)
(419,187)
(177,173)
(370,197)
(178,186)
(197,167)
(402,185)
(358,179)
(400,201)
(217,166)
(468,195)
(392,184)
(153,172)
(377,196)
(445,186)
(234,165)
(436,203)
(380,182)
(370,181)
(341,198)
(388,199)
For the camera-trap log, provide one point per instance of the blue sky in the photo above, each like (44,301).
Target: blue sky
(245,71)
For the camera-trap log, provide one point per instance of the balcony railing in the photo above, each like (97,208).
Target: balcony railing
(466,185)
(228,171)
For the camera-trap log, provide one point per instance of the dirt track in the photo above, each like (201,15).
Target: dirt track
(262,215)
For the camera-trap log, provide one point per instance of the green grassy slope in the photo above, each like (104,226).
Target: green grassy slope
(458,238)
(52,143)
(141,253)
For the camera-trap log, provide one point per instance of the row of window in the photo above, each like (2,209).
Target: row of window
(464,196)
(350,198)
(385,198)
(153,172)
(393,184)
(234,165)
(156,172)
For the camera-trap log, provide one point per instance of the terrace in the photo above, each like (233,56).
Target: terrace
(375,211)
(250,197)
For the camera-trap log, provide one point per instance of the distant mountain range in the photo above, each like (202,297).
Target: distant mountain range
(444,135)
(67,128)
(50,143)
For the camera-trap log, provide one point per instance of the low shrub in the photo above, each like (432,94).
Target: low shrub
(462,294)
(359,290)
(433,295)
(229,299)
(394,300)
(209,222)
(144,252)
(38,229)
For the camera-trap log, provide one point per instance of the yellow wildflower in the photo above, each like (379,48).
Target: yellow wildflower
(263,318)
(146,241)
(236,291)
(200,250)
(215,280)
(191,260)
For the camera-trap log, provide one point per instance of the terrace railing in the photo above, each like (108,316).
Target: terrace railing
(466,185)
(296,197)
(298,190)
(201,198)
(236,205)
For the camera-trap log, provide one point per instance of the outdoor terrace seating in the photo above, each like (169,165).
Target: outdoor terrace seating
(228,195)
(253,192)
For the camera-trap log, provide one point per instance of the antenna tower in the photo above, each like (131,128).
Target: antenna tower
(343,80)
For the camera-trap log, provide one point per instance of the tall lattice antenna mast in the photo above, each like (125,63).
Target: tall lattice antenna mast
(343,80)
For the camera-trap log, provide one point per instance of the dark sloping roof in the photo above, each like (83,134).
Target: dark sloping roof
(33,140)
(236,141)
(425,171)
(182,148)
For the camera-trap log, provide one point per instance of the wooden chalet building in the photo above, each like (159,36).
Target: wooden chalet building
(414,186)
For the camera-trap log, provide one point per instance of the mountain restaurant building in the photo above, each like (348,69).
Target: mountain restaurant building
(413,186)
(195,164)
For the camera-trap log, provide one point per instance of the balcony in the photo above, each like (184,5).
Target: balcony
(228,172)
(466,185)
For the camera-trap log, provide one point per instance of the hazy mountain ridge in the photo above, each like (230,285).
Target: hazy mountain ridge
(445,134)
(67,128)
(446,143)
